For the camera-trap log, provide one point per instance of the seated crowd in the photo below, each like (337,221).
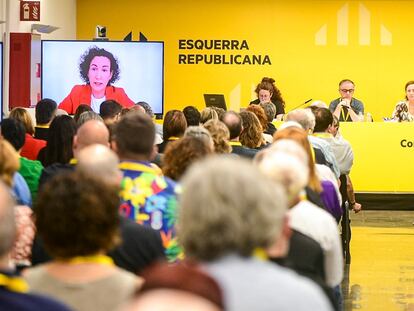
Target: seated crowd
(213,210)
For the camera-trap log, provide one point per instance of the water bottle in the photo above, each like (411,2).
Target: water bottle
(360,116)
(369,117)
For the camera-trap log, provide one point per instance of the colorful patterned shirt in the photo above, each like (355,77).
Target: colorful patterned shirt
(150,198)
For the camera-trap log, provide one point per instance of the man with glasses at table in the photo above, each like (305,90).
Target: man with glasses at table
(346,108)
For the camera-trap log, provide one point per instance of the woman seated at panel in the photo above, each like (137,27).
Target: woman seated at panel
(267,91)
(99,69)
(404,110)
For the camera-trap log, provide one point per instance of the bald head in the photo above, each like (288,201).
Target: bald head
(7,222)
(91,132)
(233,122)
(100,162)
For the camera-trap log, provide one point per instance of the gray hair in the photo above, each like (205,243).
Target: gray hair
(270,110)
(7,220)
(199,132)
(289,171)
(226,206)
(304,117)
(86,116)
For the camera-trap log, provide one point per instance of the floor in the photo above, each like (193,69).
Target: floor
(381,274)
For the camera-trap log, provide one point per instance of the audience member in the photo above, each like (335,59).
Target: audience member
(13,131)
(81,109)
(177,288)
(148,197)
(224,217)
(86,116)
(220,134)
(14,289)
(192,115)
(173,128)
(148,110)
(77,218)
(251,136)
(59,143)
(45,111)
(110,111)
(270,112)
(31,145)
(200,132)
(180,154)
(233,122)
(261,115)
(207,114)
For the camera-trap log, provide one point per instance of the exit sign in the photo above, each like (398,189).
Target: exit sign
(29,10)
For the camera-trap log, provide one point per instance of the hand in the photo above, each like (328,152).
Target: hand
(345,103)
(357,207)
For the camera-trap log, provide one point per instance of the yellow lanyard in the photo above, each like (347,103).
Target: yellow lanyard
(345,117)
(14,283)
(99,259)
(235,143)
(173,138)
(322,135)
(132,166)
(260,253)
(73,161)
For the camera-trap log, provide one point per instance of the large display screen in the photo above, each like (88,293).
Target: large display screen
(141,69)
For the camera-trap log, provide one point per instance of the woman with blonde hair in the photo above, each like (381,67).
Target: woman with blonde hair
(31,146)
(208,114)
(220,134)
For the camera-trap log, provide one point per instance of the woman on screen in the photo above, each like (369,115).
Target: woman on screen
(267,91)
(404,110)
(99,69)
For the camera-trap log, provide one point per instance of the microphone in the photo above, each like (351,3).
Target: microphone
(308,101)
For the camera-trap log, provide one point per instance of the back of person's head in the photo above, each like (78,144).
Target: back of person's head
(286,169)
(220,134)
(199,132)
(9,162)
(7,221)
(109,109)
(177,287)
(260,114)
(174,124)
(233,122)
(89,133)
(100,162)
(270,110)
(299,135)
(147,107)
(323,119)
(86,116)
(303,116)
(134,135)
(81,108)
(220,111)
(180,154)
(237,209)
(251,136)
(77,215)
(192,115)
(207,114)
(14,132)
(60,140)
(23,116)
(45,111)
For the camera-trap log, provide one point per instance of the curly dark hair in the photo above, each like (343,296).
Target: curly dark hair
(87,57)
(77,215)
(180,154)
(269,85)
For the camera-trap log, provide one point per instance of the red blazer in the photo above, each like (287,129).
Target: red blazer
(81,94)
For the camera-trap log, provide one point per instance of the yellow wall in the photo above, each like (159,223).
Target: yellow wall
(377,54)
